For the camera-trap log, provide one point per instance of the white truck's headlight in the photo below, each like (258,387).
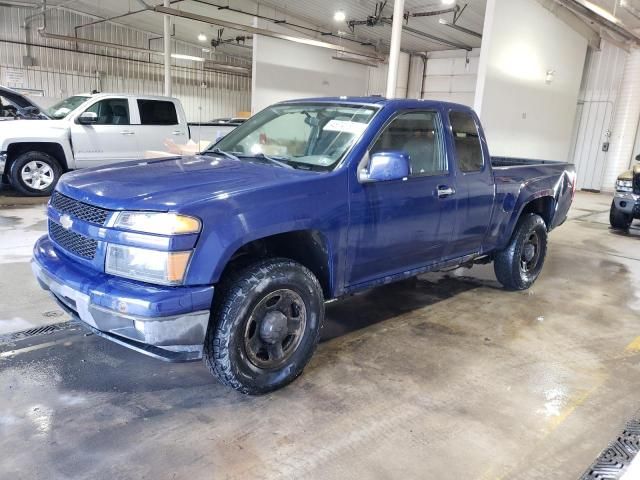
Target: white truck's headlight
(153,266)
(624,185)
(157,222)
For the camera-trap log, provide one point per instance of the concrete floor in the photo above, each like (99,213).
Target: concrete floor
(447,376)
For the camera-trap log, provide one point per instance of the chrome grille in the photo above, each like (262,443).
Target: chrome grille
(73,242)
(82,211)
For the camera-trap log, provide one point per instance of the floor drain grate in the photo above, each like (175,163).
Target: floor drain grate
(616,458)
(32,332)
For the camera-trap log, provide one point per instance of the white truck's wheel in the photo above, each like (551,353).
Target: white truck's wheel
(34,173)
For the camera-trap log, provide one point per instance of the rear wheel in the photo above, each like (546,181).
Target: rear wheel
(34,173)
(265,326)
(520,263)
(619,220)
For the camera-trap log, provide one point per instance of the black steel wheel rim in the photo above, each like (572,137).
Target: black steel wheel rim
(530,256)
(275,329)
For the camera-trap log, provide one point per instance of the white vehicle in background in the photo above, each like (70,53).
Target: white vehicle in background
(88,131)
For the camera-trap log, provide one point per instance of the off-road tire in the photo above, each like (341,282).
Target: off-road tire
(236,297)
(619,220)
(15,177)
(508,262)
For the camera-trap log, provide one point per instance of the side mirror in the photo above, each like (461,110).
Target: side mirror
(88,118)
(385,166)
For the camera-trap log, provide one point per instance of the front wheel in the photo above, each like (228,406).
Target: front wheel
(619,220)
(34,173)
(520,263)
(265,326)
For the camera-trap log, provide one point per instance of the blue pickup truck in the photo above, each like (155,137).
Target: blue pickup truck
(231,255)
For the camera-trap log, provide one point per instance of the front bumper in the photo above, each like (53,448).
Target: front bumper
(628,203)
(165,322)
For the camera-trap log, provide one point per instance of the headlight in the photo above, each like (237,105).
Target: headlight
(157,222)
(624,185)
(153,266)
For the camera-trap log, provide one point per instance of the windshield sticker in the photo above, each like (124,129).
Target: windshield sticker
(345,126)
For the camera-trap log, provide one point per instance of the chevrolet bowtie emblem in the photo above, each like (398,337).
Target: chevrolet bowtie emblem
(66,222)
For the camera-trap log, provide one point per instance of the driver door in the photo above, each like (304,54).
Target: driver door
(112,138)
(404,224)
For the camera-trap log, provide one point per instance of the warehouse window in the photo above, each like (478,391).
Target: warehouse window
(157,112)
(418,135)
(112,111)
(467,141)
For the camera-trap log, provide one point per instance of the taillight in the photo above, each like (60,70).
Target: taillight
(574,182)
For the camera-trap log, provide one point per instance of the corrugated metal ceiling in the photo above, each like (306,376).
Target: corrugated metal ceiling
(316,13)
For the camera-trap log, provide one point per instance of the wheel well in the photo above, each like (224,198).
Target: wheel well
(51,148)
(307,247)
(543,206)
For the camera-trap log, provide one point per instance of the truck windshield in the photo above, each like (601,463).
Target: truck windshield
(64,107)
(304,136)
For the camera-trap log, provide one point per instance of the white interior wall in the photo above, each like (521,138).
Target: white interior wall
(594,117)
(523,115)
(60,72)
(451,76)
(284,70)
(377,78)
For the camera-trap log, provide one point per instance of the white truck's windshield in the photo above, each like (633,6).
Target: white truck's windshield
(305,136)
(66,106)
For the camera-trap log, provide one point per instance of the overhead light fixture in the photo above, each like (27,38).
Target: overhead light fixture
(202,37)
(442,21)
(339,16)
(180,56)
(206,50)
(448,2)
(359,61)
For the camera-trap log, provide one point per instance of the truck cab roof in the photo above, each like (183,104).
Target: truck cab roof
(124,95)
(377,100)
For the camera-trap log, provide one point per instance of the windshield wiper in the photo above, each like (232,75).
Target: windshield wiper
(272,160)
(261,156)
(223,153)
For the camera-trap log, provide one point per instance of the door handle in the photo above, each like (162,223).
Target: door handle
(445,191)
(177,132)
(127,132)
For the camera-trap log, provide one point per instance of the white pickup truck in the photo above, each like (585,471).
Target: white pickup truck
(87,131)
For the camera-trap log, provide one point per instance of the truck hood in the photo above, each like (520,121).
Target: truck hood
(172,183)
(629,174)
(30,128)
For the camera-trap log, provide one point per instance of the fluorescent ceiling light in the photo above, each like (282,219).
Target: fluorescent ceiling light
(202,37)
(448,2)
(442,21)
(339,16)
(180,56)
(600,11)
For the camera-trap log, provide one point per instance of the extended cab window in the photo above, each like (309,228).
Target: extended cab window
(112,111)
(418,135)
(467,142)
(157,112)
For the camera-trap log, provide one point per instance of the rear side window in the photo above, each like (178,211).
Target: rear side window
(157,112)
(467,142)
